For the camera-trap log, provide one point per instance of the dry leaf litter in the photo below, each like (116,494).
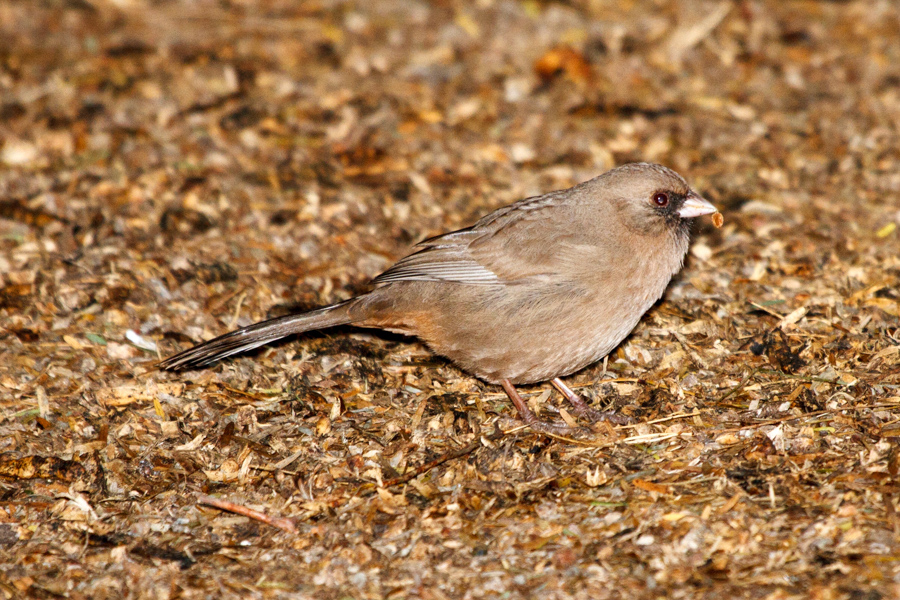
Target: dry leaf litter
(169,171)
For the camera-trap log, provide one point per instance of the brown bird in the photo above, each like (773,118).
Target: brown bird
(532,292)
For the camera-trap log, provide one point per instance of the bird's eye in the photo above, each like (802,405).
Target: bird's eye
(661,199)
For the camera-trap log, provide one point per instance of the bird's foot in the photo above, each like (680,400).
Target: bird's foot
(555,429)
(597,416)
(582,409)
(538,425)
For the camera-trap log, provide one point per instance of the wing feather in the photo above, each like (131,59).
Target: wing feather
(466,255)
(439,264)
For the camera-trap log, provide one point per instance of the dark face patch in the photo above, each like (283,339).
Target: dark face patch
(668,210)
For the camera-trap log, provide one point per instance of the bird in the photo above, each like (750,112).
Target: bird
(532,292)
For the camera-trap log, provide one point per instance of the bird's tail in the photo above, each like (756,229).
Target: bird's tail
(256,335)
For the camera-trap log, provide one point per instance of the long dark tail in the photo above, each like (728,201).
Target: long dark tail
(256,335)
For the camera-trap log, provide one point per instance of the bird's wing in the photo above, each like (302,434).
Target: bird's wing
(439,263)
(513,243)
(442,258)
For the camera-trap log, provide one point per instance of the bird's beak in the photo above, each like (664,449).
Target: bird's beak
(695,206)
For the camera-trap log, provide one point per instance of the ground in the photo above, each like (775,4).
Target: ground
(172,169)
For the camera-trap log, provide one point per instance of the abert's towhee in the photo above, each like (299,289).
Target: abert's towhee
(533,291)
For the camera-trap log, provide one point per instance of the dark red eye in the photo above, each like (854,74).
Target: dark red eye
(661,199)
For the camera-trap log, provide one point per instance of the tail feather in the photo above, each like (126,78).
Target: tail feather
(256,335)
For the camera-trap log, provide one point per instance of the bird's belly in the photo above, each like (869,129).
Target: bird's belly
(499,333)
(538,349)
(582,346)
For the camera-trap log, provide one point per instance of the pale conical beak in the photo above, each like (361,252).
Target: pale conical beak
(695,206)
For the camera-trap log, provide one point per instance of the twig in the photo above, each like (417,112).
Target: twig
(811,415)
(646,438)
(766,309)
(281,523)
(424,468)
(649,438)
(738,387)
(283,463)
(237,310)
(568,440)
(804,377)
(696,413)
(254,397)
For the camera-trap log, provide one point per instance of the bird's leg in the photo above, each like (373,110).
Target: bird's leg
(582,409)
(529,417)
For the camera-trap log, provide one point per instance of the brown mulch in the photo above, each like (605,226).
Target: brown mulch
(171,170)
